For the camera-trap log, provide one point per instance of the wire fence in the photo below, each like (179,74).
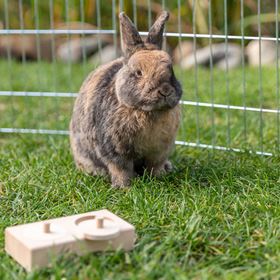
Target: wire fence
(229,109)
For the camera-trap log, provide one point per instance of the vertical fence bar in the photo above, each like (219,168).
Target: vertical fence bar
(213,141)
(23,54)
(179,29)
(38,56)
(121,6)
(37,26)
(243,69)
(21,20)
(9,60)
(228,143)
(164,37)
(69,45)
(163,4)
(53,46)
(53,58)
(135,12)
(82,18)
(277,74)
(195,71)
(120,10)
(149,13)
(114,26)
(98,15)
(260,77)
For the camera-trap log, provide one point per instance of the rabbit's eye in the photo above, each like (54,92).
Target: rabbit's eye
(138,73)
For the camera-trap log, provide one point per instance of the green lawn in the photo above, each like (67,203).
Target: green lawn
(216,216)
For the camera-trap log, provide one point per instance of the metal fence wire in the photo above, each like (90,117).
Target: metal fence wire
(48,47)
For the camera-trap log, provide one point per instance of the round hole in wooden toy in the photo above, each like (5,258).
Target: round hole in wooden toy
(87,225)
(85,218)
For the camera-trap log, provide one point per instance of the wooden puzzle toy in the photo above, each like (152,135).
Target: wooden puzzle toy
(34,245)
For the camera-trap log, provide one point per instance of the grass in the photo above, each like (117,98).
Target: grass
(216,216)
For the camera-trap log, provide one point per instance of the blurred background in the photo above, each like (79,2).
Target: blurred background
(22,13)
(233,17)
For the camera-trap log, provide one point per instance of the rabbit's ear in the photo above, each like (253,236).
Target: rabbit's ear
(130,38)
(156,31)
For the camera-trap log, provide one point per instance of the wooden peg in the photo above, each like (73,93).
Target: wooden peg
(100,222)
(46,227)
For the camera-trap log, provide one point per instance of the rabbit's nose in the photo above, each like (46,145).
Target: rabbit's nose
(166,90)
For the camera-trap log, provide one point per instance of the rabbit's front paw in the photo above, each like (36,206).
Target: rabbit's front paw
(121,182)
(121,177)
(162,169)
(168,166)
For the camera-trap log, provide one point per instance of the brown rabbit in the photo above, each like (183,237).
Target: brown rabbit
(127,113)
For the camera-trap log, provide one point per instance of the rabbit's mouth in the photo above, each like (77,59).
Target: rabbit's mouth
(161,103)
(166,90)
(161,97)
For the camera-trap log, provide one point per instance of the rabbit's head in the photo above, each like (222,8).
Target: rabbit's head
(146,81)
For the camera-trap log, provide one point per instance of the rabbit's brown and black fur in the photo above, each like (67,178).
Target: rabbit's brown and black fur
(127,113)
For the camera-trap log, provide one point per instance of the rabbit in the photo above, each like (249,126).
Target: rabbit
(127,112)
